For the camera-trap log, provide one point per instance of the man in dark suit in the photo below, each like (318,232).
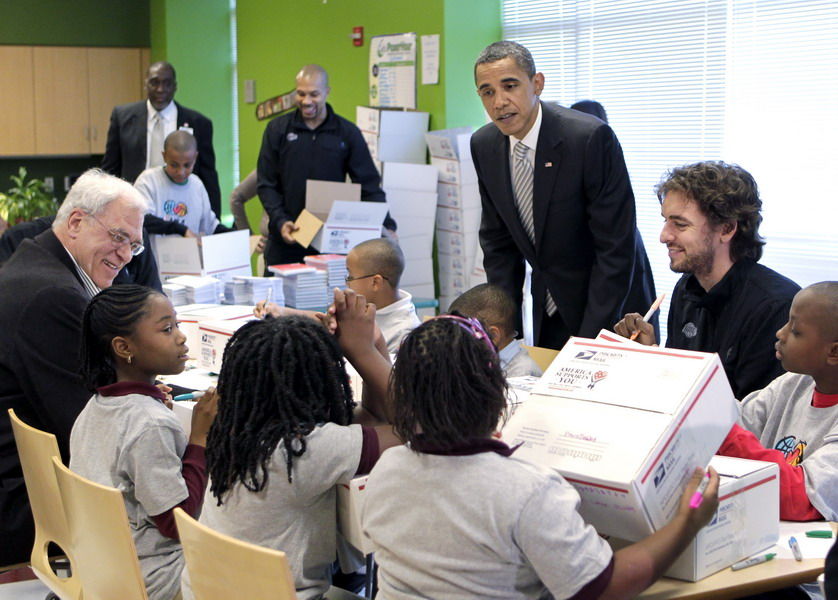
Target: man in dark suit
(555,192)
(44,289)
(137,132)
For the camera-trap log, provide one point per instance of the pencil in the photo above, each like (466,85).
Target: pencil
(649,314)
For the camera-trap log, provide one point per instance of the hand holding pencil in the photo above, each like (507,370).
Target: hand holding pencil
(637,327)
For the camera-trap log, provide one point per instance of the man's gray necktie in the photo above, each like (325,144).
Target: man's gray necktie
(522,176)
(155,151)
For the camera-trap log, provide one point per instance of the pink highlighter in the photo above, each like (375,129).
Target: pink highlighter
(698,496)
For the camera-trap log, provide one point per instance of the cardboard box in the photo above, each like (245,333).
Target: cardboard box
(458,196)
(416,246)
(214,338)
(626,425)
(746,522)
(419,291)
(455,171)
(454,243)
(406,176)
(418,271)
(350,502)
(458,220)
(222,255)
(191,314)
(454,266)
(400,134)
(452,143)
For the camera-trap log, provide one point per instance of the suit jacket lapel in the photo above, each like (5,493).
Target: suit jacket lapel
(545,169)
(138,131)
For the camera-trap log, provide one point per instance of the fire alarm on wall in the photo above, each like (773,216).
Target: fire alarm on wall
(357,36)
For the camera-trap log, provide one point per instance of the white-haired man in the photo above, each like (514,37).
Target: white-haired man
(44,289)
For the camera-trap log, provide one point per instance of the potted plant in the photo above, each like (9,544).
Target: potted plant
(26,200)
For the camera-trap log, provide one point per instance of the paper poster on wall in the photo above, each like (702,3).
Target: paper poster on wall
(430,59)
(392,73)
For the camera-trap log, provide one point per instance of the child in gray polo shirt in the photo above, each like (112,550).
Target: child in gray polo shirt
(127,438)
(285,436)
(456,515)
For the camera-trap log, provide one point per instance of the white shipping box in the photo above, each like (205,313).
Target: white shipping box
(458,220)
(214,338)
(221,255)
(421,291)
(457,244)
(455,171)
(183,412)
(191,314)
(350,502)
(626,425)
(416,246)
(406,176)
(417,271)
(746,522)
(458,196)
(450,143)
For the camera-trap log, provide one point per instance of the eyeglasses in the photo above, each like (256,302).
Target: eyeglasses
(349,278)
(120,238)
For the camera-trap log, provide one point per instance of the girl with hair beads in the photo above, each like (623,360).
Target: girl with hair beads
(126,437)
(455,515)
(283,437)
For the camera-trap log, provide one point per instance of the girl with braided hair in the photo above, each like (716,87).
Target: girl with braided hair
(284,436)
(454,514)
(127,437)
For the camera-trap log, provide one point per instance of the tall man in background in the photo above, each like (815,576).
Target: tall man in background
(555,192)
(312,142)
(138,130)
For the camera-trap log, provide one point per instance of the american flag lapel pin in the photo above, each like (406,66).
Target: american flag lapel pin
(548,164)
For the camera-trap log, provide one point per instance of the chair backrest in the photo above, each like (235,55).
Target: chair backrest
(222,567)
(36,449)
(541,356)
(100,538)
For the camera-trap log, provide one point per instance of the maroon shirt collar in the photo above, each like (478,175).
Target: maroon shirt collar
(466,448)
(123,388)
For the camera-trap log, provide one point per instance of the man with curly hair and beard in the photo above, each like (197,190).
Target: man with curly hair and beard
(726,301)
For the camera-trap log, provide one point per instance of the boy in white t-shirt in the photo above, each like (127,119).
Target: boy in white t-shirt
(179,201)
(374,269)
(496,310)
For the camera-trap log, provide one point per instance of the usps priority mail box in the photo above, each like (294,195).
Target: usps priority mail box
(190,315)
(214,338)
(626,425)
(350,502)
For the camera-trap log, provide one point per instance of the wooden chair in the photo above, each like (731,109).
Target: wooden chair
(36,450)
(541,356)
(221,567)
(101,545)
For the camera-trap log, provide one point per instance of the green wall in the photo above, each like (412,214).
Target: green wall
(276,38)
(194,35)
(74,23)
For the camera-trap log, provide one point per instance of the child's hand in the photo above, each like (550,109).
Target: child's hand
(166,390)
(264,308)
(355,321)
(203,414)
(699,517)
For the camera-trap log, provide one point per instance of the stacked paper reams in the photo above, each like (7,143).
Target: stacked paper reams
(176,293)
(250,290)
(393,135)
(304,286)
(412,197)
(199,289)
(334,265)
(458,211)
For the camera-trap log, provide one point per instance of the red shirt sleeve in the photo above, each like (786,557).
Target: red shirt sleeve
(594,588)
(195,476)
(794,503)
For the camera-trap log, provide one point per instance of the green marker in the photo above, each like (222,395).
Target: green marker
(819,534)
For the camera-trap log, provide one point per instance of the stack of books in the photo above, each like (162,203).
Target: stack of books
(252,290)
(199,289)
(176,293)
(304,286)
(333,264)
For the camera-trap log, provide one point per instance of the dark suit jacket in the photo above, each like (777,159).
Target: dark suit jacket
(587,249)
(41,306)
(142,269)
(126,150)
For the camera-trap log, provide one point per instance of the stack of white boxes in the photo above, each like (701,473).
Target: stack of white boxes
(393,135)
(458,211)
(412,197)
